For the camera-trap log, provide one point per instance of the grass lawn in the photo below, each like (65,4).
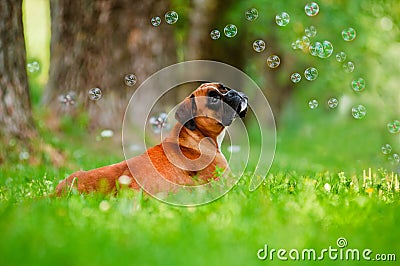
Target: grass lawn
(290,210)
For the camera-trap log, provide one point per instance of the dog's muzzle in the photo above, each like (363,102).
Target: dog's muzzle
(237,102)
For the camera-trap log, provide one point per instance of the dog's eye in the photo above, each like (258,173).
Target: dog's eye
(215,99)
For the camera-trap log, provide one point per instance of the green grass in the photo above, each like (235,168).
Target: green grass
(290,210)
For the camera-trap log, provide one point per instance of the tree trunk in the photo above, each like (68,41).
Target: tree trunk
(95,44)
(15,109)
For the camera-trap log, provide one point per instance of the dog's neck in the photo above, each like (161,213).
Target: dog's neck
(191,138)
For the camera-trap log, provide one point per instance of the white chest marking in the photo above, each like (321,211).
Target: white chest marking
(220,138)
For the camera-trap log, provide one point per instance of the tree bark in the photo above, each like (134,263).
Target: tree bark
(15,108)
(96,43)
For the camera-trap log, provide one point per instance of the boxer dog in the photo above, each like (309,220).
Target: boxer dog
(188,156)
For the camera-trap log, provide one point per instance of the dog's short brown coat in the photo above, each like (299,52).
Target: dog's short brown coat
(196,123)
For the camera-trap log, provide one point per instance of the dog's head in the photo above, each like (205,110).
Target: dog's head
(211,107)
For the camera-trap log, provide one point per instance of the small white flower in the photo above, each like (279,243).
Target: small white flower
(124,180)
(327,187)
(104,206)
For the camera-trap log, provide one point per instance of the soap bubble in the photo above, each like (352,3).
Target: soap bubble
(282,19)
(259,45)
(23,156)
(340,57)
(313,104)
(215,34)
(311,9)
(171,17)
(159,122)
(251,14)
(349,34)
(305,42)
(316,48)
(130,79)
(298,44)
(33,67)
(348,67)
(358,112)
(67,99)
(273,61)
(230,30)
(396,158)
(311,73)
(295,77)
(155,21)
(327,50)
(386,149)
(358,84)
(310,31)
(333,103)
(95,94)
(394,127)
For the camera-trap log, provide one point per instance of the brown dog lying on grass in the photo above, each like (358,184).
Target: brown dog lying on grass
(189,155)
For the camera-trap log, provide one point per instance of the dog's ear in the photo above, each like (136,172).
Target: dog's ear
(185,113)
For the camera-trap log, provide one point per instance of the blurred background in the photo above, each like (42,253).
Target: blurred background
(74,46)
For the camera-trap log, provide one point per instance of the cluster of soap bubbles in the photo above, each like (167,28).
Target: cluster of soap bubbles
(159,122)
(304,42)
(311,73)
(171,17)
(332,103)
(322,50)
(340,57)
(348,67)
(230,31)
(310,31)
(387,150)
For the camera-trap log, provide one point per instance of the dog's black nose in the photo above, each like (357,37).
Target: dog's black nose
(232,95)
